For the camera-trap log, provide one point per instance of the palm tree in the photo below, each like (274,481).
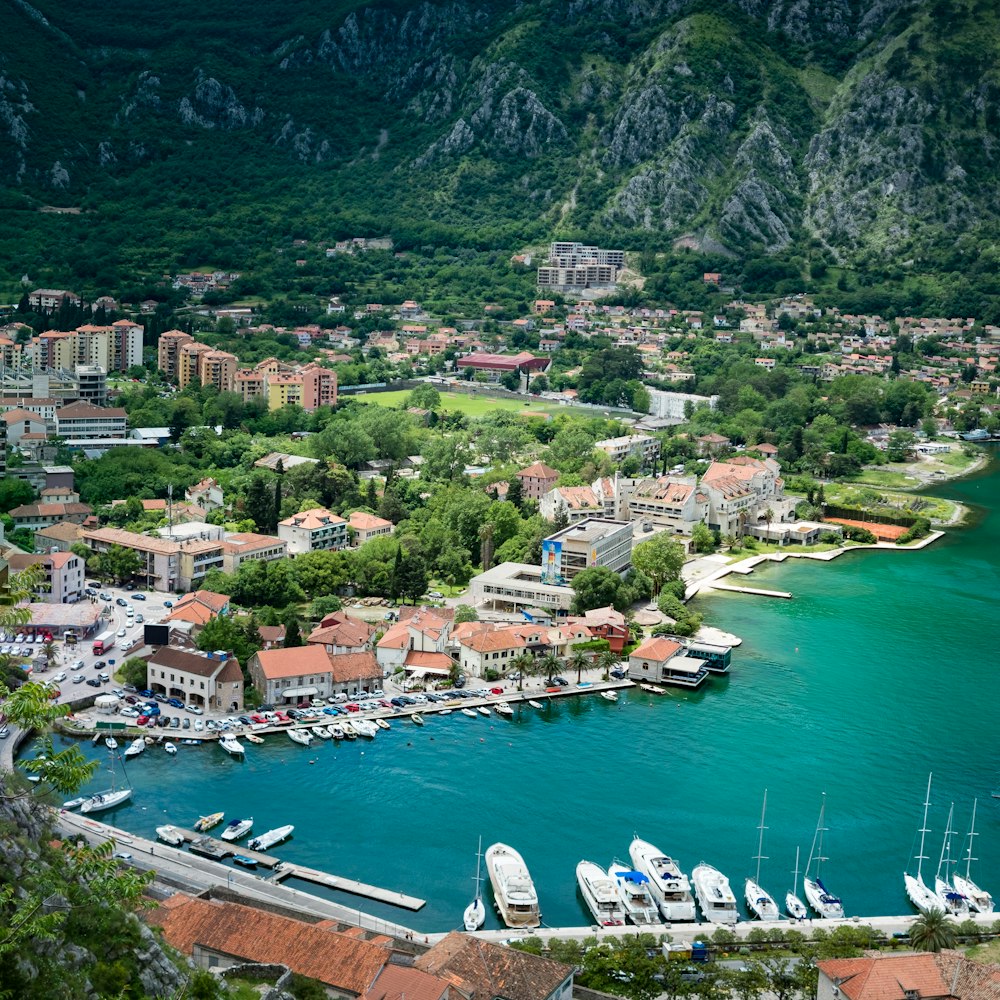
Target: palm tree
(606,661)
(932,931)
(579,660)
(550,664)
(49,650)
(524,664)
(486,545)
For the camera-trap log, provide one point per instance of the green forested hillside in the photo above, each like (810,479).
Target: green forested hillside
(820,133)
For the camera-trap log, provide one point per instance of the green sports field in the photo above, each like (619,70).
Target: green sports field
(476,405)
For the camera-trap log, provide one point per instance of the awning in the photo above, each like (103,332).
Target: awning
(310,692)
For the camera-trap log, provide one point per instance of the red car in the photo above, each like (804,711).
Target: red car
(282,717)
(385,703)
(353,706)
(496,690)
(142,720)
(258,719)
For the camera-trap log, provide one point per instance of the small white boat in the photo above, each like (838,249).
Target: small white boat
(475,913)
(609,695)
(301,736)
(350,733)
(111,743)
(444,711)
(471,713)
(232,746)
(417,719)
(669,886)
(921,895)
(75,803)
(170,835)
(383,724)
(322,732)
(364,727)
(979,899)
(170,748)
(237,828)
(337,732)
(818,896)
(483,710)
(532,703)
(503,708)
(253,738)
(136,747)
(715,896)
(513,890)
(635,895)
(271,838)
(794,906)
(759,901)
(600,893)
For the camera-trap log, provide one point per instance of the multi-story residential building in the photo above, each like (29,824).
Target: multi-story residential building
(416,643)
(536,480)
(204,679)
(63,580)
(245,546)
(674,405)
(364,527)
(620,448)
(677,505)
(92,384)
(313,530)
(168,565)
(168,350)
(80,422)
(48,300)
(217,368)
(113,348)
(283,389)
(188,362)
(566,254)
(741,490)
(489,651)
(591,542)
(249,384)
(43,515)
(319,387)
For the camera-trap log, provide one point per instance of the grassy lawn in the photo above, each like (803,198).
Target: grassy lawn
(989,952)
(869,498)
(766,548)
(476,405)
(891,477)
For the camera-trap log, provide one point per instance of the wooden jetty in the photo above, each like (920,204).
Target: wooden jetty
(354,887)
(211,847)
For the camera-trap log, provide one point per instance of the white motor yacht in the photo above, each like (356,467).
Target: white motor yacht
(600,893)
(715,895)
(271,838)
(634,892)
(237,828)
(513,889)
(668,884)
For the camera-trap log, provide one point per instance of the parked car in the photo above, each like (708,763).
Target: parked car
(61,676)
(618,673)
(175,722)
(129,687)
(175,702)
(185,723)
(121,602)
(138,597)
(435,593)
(194,709)
(104,678)
(199,726)
(77,665)
(561,681)
(142,720)
(78,678)
(496,690)
(168,604)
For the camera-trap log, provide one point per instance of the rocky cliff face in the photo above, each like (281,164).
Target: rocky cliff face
(863,123)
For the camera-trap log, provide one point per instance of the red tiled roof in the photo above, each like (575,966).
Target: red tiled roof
(538,470)
(353,666)
(396,982)
(314,950)
(294,662)
(887,977)
(656,649)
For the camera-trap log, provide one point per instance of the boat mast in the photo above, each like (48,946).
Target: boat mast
(759,856)
(921,857)
(972,833)
(479,859)
(817,844)
(795,874)
(946,846)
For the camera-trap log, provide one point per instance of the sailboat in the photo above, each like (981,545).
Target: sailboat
(921,895)
(760,903)
(475,912)
(979,899)
(794,906)
(823,902)
(954,902)
(110,797)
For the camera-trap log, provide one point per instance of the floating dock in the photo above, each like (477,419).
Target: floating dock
(758,591)
(211,847)
(355,888)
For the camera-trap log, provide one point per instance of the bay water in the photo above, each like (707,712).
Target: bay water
(882,668)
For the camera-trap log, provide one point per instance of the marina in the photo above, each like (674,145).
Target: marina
(801,682)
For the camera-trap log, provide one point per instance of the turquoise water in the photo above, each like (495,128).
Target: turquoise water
(882,668)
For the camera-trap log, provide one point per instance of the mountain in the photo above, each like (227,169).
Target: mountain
(842,130)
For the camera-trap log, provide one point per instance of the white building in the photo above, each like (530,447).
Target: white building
(313,531)
(620,448)
(673,405)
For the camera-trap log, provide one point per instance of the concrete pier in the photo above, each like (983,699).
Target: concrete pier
(354,887)
(758,591)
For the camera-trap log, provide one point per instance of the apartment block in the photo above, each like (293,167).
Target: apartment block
(313,531)
(168,351)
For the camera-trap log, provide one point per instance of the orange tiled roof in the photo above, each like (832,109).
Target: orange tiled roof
(313,950)
(295,662)
(396,982)
(538,470)
(656,649)
(888,977)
